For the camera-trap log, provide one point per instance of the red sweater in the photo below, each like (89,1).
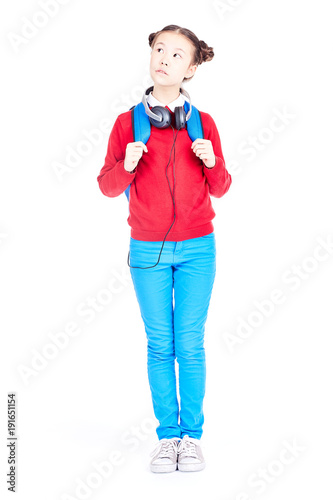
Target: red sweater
(150,203)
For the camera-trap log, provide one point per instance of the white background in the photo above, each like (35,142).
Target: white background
(62,243)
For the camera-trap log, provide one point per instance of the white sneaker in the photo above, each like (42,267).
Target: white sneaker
(190,456)
(165,455)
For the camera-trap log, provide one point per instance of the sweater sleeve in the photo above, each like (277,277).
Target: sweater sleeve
(113,178)
(218,177)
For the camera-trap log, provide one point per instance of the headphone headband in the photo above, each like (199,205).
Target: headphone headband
(157,117)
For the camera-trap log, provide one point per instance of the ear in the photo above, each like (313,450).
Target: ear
(191,70)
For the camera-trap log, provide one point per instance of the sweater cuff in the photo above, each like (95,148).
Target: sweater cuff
(123,170)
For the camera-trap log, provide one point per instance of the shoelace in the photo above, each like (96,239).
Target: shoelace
(188,447)
(165,449)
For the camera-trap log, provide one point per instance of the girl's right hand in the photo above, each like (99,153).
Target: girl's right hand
(133,154)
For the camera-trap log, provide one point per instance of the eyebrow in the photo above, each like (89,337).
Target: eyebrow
(175,49)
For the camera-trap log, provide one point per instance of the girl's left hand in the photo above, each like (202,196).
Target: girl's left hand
(203,148)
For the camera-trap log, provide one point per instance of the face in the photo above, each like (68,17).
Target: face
(171,53)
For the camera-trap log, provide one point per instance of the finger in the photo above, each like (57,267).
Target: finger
(142,144)
(137,156)
(200,148)
(200,151)
(196,142)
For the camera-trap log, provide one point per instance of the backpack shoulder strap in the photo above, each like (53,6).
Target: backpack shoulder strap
(140,123)
(141,129)
(194,124)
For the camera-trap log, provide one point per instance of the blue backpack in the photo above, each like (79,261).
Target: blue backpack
(141,126)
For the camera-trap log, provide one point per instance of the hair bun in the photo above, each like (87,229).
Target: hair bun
(151,38)
(207,53)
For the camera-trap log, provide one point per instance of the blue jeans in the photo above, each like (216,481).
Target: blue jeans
(175,326)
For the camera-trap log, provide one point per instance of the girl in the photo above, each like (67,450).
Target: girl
(174,292)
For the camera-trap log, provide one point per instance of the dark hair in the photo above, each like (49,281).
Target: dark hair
(202,52)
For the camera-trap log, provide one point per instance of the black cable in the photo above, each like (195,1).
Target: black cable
(172,196)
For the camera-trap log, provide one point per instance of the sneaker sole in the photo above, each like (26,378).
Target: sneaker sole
(190,467)
(163,468)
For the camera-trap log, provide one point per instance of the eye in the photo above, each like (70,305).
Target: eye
(176,53)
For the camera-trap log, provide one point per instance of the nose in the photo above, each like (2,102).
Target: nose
(165,59)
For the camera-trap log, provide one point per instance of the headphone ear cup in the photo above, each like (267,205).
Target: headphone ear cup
(164,113)
(180,117)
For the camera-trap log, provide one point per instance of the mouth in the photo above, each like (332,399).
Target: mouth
(161,71)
